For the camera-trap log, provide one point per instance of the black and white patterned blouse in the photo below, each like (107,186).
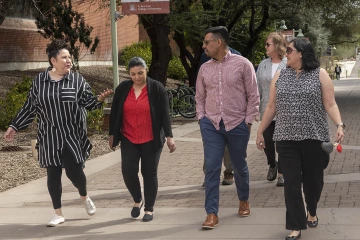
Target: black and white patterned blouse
(59,108)
(300,113)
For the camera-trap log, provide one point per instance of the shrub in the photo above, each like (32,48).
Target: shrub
(95,120)
(140,49)
(176,70)
(13,101)
(143,49)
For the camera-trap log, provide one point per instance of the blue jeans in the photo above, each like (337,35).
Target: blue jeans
(214,144)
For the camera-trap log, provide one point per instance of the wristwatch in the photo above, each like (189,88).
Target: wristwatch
(341,125)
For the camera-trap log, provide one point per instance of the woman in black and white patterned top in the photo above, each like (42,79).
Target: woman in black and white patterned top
(58,99)
(301,97)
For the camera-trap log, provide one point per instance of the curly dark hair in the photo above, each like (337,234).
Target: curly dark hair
(54,47)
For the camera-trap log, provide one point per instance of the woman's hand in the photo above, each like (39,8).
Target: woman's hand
(340,134)
(111,141)
(10,134)
(104,94)
(260,143)
(171,144)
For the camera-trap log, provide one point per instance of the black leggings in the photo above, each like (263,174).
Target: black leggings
(73,171)
(130,156)
(270,146)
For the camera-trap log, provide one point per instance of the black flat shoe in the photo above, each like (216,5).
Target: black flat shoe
(135,212)
(148,217)
(293,237)
(313,224)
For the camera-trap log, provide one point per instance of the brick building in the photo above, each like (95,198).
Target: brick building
(22,47)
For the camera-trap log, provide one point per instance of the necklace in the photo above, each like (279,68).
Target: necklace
(298,73)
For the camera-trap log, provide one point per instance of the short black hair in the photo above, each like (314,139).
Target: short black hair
(54,47)
(136,61)
(221,32)
(309,60)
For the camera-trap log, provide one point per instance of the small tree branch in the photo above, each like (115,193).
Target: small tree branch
(238,14)
(35,2)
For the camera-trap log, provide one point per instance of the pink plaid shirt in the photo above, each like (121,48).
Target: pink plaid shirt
(227,90)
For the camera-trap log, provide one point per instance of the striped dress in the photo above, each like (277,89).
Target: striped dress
(60,111)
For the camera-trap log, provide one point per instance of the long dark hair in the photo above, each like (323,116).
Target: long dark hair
(308,60)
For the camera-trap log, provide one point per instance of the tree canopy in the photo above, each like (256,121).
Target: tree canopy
(324,22)
(63,22)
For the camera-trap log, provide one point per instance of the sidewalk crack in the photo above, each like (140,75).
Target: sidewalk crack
(330,230)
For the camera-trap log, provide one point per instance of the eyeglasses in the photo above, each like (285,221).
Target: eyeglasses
(268,44)
(206,42)
(289,50)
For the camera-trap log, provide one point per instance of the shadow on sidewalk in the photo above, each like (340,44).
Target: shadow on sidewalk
(137,230)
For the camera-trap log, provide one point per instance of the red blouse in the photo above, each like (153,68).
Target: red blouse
(137,123)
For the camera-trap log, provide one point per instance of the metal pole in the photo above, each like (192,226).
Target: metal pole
(114,43)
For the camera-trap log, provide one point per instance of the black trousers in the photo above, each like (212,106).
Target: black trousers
(130,157)
(303,162)
(73,171)
(270,146)
(337,76)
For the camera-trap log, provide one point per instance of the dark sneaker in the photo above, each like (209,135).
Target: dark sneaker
(271,176)
(148,217)
(280,181)
(203,185)
(228,178)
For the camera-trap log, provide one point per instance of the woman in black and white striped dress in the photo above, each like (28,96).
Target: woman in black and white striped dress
(59,98)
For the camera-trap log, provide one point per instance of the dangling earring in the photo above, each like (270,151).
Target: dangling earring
(53,69)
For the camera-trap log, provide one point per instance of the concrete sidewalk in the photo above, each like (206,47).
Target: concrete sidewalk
(171,223)
(179,212)
(20,220)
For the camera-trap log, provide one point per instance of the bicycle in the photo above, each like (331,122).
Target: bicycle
(182,101)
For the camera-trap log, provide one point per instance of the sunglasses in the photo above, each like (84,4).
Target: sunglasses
(268,44)
(289,50)
(206,42)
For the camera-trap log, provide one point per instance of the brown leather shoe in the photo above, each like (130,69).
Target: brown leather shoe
(211,221)
(228,178)
(244,209)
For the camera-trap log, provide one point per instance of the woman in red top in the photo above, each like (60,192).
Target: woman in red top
(140,120)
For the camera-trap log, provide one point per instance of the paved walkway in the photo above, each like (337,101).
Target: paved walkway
(179,211)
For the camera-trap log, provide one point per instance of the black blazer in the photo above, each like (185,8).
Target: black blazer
(159,109)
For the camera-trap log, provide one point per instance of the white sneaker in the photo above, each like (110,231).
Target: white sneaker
(89,206)
(55,220)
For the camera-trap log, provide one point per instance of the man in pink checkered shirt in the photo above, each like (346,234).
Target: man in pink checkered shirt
(227,101)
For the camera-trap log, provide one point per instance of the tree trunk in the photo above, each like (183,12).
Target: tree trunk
(255,32)
(158,30)
(189,61)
